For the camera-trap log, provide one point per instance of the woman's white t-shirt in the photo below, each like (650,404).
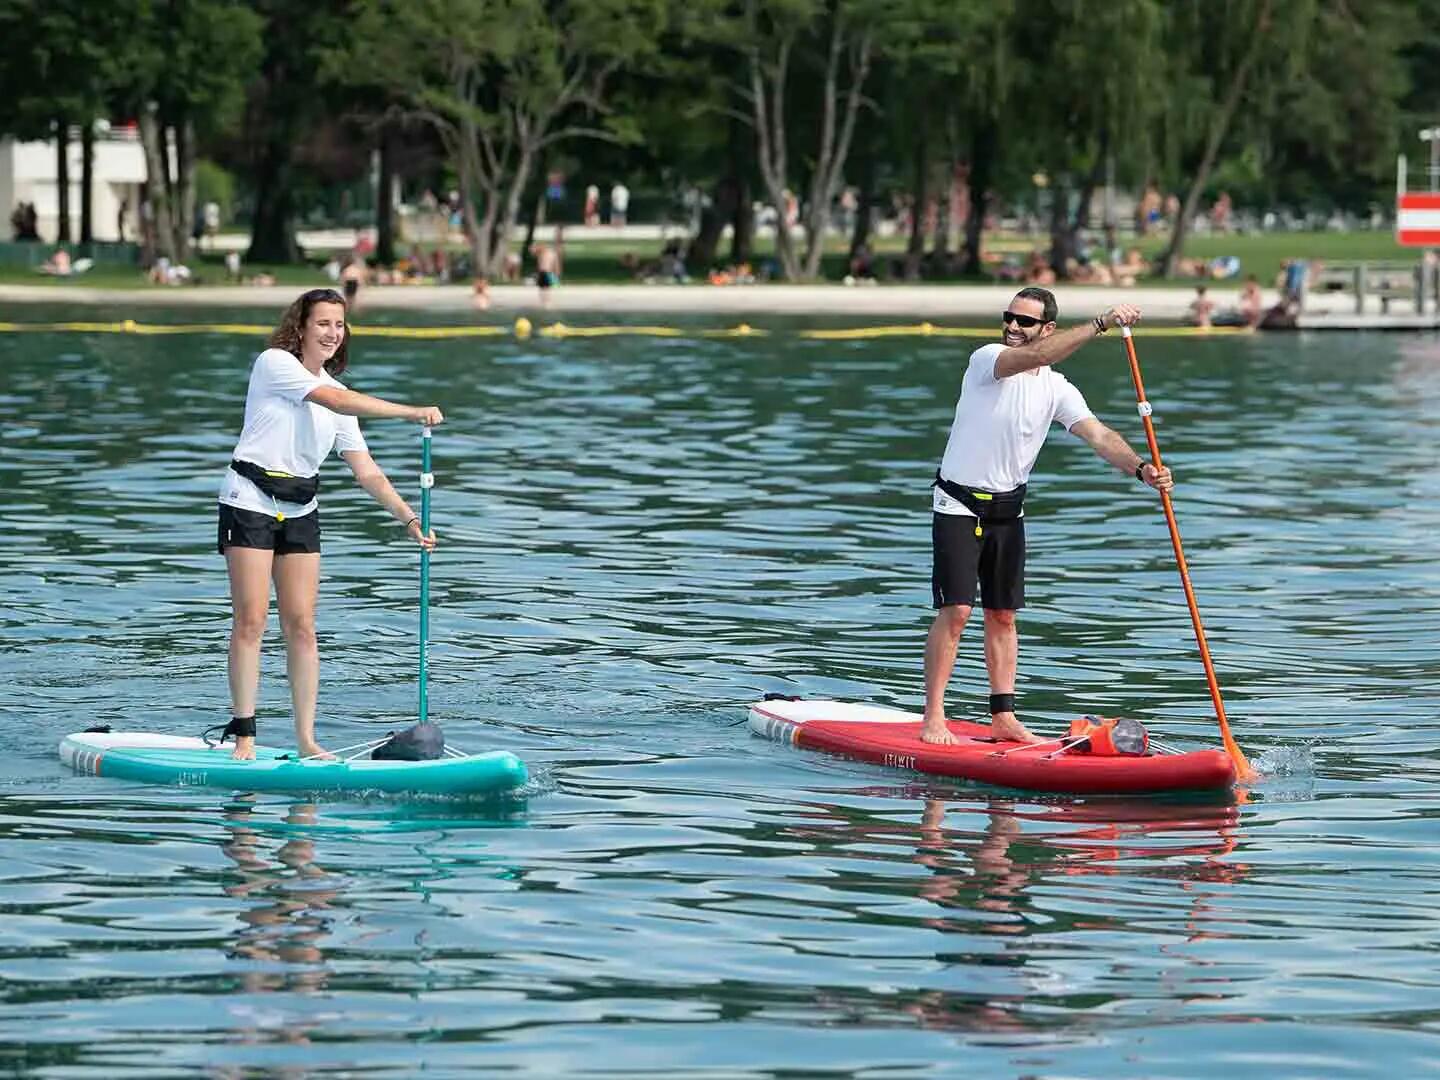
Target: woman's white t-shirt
(1000,426)
(285,432)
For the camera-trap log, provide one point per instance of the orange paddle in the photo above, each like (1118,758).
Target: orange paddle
(1243,770)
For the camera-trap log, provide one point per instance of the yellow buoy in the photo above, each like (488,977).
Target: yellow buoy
(522,327)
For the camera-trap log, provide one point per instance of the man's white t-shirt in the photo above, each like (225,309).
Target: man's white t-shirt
(285,432)
(1000,426)
(619,198)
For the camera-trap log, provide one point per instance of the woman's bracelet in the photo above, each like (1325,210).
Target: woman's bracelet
(414,518)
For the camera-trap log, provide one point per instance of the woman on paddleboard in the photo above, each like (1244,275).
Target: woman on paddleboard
(1010,396)
(296,412)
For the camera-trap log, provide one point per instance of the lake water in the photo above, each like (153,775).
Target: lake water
(640,537)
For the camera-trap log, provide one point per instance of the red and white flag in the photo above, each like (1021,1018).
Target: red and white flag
(1417,220)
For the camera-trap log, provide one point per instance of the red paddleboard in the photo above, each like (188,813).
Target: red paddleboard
(891,737)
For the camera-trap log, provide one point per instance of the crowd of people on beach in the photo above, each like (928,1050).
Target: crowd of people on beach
(1095,258)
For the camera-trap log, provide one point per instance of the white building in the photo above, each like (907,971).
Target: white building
(27,174)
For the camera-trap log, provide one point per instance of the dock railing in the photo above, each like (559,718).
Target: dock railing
(1414,282)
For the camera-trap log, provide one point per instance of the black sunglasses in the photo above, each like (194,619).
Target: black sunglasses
(1024,321)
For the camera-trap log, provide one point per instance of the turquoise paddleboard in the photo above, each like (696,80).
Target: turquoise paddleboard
(175,759)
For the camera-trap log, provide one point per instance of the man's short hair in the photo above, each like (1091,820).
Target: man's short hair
(1046,298)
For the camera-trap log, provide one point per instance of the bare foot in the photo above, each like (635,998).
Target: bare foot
(315,750)
(1006,728)
(937,732)
(244,748)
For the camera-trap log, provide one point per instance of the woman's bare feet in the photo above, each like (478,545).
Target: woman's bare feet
(244,748)
(315,750)
(1006,728)
(938,732)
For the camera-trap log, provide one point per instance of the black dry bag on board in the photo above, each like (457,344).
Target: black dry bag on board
(422,742)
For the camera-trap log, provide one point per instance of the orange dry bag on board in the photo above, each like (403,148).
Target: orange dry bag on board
(1107,737)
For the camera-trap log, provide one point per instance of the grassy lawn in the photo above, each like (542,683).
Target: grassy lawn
(598,261)
(208,270)
(1260,254)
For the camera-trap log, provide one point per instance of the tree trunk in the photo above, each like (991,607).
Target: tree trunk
(505,225)
(272,229)
(156,185)
(768,101)
(835,140)
(532,220)
(474,184)
(700,255)
(742,236)
(982,167)
(62,178)
(385,206)
(184,133)
(865,203)
(915,250)
(1219,125)
(940,244)
(945,200)
(1060,236)
(87,182)
(742,214)
(1081,220)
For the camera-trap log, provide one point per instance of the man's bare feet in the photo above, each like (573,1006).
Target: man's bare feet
(938,732)
(315,750)
(244,748)
(1006,728)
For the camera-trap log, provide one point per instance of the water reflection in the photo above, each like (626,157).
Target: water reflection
(293,895)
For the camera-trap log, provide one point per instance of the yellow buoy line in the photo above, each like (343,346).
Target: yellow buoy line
(522,328)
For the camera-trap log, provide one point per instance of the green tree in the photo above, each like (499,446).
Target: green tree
(1092,84)
(502,83)
(63,56)
(831,43)
(284,104)
(203,54)
(936,88)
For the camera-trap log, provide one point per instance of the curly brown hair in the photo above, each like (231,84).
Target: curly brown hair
(288,334)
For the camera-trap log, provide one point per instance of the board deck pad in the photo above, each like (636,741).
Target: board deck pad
(892,737)
(187,761)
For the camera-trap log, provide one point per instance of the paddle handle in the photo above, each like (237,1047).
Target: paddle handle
(427,481)
(1243,769)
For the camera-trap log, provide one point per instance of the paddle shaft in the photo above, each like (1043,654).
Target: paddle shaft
(427,481)
(1242,767)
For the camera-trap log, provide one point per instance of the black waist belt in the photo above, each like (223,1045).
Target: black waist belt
(988,506)
(278,485)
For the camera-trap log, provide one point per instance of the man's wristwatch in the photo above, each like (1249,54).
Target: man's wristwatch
(1100,325)
(1140,472)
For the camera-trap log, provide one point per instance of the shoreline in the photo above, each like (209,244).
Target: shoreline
(1077,302)
(745,303)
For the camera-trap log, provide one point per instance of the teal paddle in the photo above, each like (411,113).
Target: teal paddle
(427,481)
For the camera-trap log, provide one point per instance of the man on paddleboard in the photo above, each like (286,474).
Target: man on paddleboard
(1010,396)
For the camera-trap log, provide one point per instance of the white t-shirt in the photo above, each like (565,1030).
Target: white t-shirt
(285,432)
(619,198)
(1000,425)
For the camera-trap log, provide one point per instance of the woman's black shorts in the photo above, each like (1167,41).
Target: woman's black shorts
(994,561)
(246,528)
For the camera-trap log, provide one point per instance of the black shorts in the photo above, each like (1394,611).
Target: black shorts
(246,528)
(994,560)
